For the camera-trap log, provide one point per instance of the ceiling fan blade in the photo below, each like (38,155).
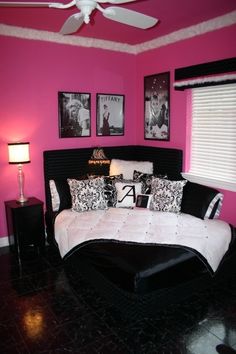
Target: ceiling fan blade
(36,4)
(23,4)
(72,24)
(115,1)
(129,17)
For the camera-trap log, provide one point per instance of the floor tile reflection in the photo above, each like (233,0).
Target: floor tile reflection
(45,310)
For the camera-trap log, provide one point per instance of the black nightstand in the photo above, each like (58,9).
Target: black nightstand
(25,223)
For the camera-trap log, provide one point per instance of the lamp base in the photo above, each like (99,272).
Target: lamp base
(22,200)
(21,179)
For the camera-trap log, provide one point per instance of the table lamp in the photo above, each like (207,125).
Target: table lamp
(19,154)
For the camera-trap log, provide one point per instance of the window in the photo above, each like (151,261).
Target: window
(213,137)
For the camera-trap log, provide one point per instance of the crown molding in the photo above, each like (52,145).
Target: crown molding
(32,34)
(188,32)
(185,33)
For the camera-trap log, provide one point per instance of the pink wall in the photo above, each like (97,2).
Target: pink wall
(215,45)
(32,72)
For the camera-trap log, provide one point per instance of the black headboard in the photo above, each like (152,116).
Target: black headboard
(59,164)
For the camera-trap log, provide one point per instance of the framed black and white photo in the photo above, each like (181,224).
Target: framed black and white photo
(74,114)
(110,114)
(143,200)
(157,106)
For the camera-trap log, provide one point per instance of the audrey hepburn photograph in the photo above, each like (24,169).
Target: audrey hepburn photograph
(157,106)
(110,114)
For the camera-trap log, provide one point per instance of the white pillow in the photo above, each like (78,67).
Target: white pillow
(54,195)
(127,193)
(127,167)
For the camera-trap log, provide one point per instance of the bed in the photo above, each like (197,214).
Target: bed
(137,275)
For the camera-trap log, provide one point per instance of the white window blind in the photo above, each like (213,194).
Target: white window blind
(213,144)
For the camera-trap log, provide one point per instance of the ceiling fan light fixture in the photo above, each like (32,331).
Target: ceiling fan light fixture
(86,7)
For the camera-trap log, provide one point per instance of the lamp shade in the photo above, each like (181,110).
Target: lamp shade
(18,153)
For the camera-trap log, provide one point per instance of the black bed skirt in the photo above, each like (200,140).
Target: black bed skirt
(149,304)
(140,268)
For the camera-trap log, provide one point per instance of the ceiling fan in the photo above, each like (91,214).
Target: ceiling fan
(86,7)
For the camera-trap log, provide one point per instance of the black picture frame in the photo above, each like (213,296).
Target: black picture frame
(143,201)
(110,114)
(157,107)
(74,110)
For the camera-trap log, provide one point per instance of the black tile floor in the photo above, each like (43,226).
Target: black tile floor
(42,311)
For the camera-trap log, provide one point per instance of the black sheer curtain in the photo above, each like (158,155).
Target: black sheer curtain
(206,74)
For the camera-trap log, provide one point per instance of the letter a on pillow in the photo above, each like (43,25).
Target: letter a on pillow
(127,193)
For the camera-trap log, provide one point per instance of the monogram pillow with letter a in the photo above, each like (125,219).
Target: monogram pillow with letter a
(127,192)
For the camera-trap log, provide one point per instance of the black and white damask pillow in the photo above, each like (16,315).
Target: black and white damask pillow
(87,194)
(146,180)
(167,195)
(127,192)
(110,189)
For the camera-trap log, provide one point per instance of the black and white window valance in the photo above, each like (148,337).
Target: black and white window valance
(207,74)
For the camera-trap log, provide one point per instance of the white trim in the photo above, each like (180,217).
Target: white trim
(4,242)
(185,33)
(189,32)
(32,34)
(218,78)
(210,182)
